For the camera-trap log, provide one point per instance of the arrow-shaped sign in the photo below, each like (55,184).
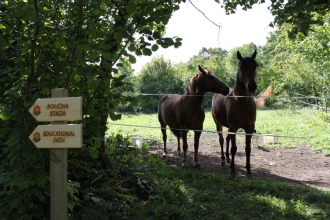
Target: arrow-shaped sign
(57,109)
(57,136)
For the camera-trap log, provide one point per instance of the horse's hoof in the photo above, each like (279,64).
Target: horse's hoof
(164,154)
(198,165)
(232,175)
(249,175)
(228,160)
(222,164)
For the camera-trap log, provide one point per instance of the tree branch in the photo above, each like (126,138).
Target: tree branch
(106,74)
(74,52)
(219,26)
(36,32)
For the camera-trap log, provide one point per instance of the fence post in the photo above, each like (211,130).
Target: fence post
(326,106)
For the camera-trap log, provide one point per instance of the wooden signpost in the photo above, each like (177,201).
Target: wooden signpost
(57,109)
(58,137)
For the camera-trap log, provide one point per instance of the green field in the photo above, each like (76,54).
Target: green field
(293,127)
(179,193)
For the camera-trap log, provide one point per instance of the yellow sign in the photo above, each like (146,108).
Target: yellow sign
(57,136)
(57,109)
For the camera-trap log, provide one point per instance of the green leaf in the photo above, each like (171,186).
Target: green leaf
(131,8)
(93,154)
(111,104)
(177,44)
(138,52)
(77,78)
(154,47)
(106,55)
(94,199)
(131,47)
(118,36)
(22,184)
(131,58)
(146,52)
(5,115)
(94,56)
(97,143)
(3,43)
(114,116)
(156,35)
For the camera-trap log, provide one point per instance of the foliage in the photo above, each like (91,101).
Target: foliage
(301,14)
(298,67)
(156,78)
(87,47)
(78,45)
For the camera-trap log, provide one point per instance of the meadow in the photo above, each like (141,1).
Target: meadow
(176,193)
(293,127)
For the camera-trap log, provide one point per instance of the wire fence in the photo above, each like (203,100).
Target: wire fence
(318,101)
(299,99)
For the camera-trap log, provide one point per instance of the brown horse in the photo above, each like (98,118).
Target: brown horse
(185,112)
(234,111)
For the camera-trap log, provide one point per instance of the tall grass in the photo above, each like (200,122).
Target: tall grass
(293,126)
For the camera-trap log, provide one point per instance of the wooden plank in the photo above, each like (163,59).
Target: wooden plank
(57,136)
(57,109)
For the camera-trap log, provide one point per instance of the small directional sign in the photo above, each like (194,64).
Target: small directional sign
(57,136)
(57,109)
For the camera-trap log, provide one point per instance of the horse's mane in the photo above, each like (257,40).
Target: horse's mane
(195,82)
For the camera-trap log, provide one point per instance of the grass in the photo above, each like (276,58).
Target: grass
(190,194)
(293,126)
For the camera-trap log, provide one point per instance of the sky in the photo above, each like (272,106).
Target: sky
(188,23)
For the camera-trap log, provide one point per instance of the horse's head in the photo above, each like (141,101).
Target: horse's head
(247,71)
(208,82)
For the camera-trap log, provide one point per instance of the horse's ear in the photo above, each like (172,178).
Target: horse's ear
(239,56)
(254,54)
(201,69)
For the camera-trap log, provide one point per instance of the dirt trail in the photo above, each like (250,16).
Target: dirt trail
(300,166)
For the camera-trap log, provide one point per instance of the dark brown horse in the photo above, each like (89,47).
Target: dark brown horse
(234,111)
(185,112)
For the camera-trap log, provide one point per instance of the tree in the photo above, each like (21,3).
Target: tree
(301,14)
(157,77)
(78,45)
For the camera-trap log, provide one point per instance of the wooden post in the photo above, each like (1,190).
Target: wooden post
(58,173)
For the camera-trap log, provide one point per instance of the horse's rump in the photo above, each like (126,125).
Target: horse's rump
(169,112)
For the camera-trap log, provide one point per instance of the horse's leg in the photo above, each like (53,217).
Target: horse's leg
(248,150)
(227,148)
(179,148)
(185,148)
(196,145)
(163,128)
(219,130)
(233,150)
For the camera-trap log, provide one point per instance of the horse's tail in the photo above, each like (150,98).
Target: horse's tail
(260,102)
(176,132)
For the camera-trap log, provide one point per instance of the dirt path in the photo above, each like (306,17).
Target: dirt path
(300,166)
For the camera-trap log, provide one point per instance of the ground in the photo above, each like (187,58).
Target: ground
(298,166)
